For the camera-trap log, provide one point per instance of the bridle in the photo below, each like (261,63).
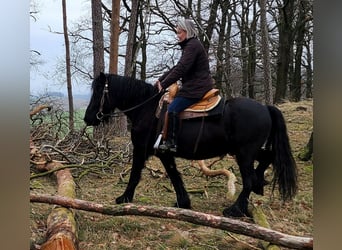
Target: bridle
(105,94)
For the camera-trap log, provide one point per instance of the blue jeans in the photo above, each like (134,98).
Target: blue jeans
(181,103)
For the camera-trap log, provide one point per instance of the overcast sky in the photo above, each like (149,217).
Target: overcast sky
(50,45)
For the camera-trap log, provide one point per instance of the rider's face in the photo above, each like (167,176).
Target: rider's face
(181,34)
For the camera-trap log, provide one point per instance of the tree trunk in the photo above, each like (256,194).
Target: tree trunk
(251,61)
(228,55)
(296,85)
(307,151)
(284,51)
(309,70)
(266,54)
(114,37)
(211,24)
(68,72)
(144,19)
(109,129)
(220,51)
(232,225)
(98,47)
(243,27)
(130,60)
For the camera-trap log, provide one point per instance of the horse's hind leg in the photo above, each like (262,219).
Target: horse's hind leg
(265,158)
(183,200)
(240,207)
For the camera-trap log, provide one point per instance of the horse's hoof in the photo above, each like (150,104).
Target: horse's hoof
(180,205)
(259,190)
(122,199)
(234,211)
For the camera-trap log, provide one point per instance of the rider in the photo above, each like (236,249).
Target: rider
(193,71)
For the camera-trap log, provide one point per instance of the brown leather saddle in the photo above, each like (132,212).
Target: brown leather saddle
(211,105)
(202,108)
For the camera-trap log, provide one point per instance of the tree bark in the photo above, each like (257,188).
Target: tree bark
(300,30)
(130,58)
(68,70)
(232,225)
(242,23)
(98,47)
(114,37)
(61,224)
(114,122)
(218,76)
(228,54)
(309,71)
(211,25)
(286,14)
(307,151)
(252,51)
(265,54)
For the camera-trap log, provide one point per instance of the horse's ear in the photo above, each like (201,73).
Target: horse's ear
(102,76)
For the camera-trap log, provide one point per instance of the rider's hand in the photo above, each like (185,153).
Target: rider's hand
(157,83)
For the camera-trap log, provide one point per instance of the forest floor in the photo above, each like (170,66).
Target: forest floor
(208,194)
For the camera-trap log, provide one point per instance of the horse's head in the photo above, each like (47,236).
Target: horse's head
(99,105)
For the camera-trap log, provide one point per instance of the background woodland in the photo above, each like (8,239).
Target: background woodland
(258,49)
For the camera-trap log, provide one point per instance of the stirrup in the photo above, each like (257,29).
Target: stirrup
(164,146)
(167,146)
(173,148)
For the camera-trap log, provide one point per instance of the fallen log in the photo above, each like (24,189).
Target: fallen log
(61,224)
(232,225)
(209,172)
(36,110)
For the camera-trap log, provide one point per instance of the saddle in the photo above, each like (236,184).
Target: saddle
(211,105)
(202,108)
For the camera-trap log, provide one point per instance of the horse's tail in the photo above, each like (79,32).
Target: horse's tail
(284,165)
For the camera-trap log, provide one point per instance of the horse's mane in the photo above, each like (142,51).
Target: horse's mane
(130,87)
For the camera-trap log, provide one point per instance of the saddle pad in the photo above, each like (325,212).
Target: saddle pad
(209,101)
(205,104)
(215,110)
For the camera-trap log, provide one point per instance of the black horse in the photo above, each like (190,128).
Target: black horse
(246,129)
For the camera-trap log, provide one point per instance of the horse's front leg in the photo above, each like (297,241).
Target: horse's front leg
(183,200)
(134,178)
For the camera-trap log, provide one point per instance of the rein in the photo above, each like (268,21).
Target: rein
(100,115)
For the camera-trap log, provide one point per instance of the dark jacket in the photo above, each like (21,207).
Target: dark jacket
(192,69)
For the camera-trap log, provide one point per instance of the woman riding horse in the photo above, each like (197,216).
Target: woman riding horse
(193,70)
(250,131)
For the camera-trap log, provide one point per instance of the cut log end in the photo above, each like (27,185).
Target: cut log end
(59,242)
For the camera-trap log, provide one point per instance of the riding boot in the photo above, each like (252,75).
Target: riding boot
(172,132)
